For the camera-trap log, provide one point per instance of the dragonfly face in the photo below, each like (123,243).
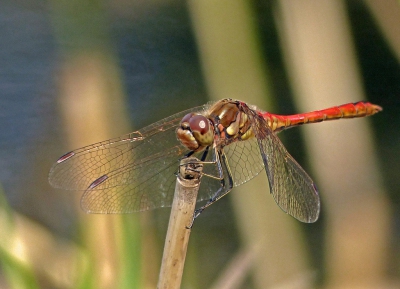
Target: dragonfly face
(195,132)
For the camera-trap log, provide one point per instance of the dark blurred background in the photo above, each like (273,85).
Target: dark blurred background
(77,72)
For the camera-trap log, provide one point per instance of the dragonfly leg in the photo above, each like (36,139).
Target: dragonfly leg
(226,185)
(201,161)
(203,157)
(188,154)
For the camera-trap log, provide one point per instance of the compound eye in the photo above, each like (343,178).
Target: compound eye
(186,118)
(199,123)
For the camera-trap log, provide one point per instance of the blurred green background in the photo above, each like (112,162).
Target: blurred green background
(76,72)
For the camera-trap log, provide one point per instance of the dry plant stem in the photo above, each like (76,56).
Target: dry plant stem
(235,271)
(177,239)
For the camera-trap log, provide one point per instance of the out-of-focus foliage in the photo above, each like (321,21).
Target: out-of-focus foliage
(17,270)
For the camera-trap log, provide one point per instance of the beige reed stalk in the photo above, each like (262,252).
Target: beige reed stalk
(177,239)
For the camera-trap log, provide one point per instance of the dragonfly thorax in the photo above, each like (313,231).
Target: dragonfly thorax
(231,121)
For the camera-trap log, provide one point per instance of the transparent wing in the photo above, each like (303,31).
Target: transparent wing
(293,190)
(134,172)
(244,160)
(143,185)
(146,184)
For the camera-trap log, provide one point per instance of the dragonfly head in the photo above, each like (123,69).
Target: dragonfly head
(195,132)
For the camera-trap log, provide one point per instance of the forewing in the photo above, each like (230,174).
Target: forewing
(143,185)
(125,174)
(77,169)
(293,190)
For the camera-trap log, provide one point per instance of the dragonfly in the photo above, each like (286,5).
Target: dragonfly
(234,140)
